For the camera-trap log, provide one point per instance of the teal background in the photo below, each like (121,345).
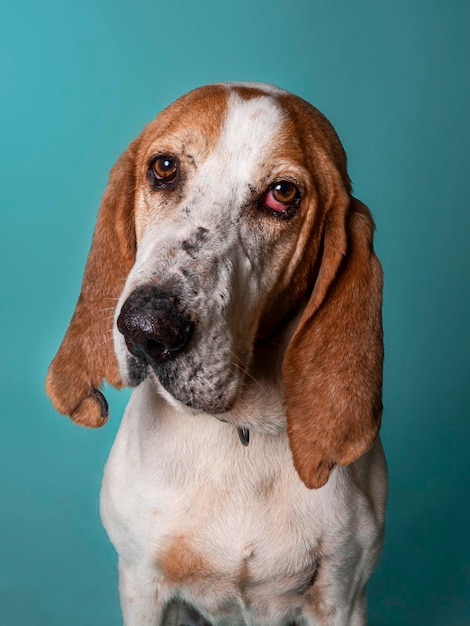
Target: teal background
(78,81)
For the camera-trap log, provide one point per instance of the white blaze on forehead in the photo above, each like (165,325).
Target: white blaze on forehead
(249,131)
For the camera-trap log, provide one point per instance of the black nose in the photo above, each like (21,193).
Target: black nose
(153,326)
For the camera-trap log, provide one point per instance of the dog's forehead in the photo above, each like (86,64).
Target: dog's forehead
(239,115)
(251,134)
(207,107)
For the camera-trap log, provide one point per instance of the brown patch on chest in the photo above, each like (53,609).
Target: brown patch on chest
(181,562)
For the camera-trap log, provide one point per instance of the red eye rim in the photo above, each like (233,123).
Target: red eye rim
(281,198)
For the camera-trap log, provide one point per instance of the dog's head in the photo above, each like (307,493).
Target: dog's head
(229,215)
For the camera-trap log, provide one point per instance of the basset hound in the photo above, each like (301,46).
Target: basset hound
(232,282)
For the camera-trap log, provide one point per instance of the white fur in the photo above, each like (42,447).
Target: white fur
(172,474)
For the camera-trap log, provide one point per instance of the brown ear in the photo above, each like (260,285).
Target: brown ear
(332,370)
(86,355)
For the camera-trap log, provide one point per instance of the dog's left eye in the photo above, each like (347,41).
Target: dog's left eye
(164,170)
(282,196)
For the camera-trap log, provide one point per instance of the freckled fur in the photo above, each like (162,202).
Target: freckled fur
(287,342)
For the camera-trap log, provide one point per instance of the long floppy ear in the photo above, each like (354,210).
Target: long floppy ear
(332,370)
(86,355)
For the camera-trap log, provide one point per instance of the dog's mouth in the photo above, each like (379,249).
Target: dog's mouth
(209,389)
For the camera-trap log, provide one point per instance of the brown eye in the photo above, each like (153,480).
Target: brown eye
(282,196)
(165,169)
(284,192)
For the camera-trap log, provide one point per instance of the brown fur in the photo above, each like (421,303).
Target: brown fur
(181,563)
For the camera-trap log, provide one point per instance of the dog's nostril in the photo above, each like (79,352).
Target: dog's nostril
(160,352)
(157,351)
(152,327)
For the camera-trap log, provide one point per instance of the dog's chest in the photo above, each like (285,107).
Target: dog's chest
(208,513)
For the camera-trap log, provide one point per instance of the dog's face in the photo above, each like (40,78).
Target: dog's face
(229,216)
(225,202)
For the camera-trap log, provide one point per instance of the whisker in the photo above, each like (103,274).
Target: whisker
(101,320)
(245,371)
(107,318)
(107,340)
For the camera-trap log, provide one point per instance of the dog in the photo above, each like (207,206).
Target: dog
(232,282)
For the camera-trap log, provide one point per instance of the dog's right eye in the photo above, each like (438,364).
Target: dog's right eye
(164,170)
